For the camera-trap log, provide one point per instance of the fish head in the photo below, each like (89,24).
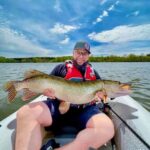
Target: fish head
(115,89)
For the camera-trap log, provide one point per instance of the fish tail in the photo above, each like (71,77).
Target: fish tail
(10,88)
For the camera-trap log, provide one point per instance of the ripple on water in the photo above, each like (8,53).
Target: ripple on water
(136,73)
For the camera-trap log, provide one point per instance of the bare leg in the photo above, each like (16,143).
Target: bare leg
(30,119)
(98,131)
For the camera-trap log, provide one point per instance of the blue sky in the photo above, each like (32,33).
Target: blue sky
(46,28)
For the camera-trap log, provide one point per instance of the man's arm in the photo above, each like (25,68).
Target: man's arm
(97,75)
(59,70)
(100,95)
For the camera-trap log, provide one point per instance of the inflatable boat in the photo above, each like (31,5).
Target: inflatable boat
(131,121)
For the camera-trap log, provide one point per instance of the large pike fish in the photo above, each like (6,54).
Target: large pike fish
(36,82)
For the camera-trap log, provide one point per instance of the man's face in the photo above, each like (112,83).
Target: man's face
(80,56)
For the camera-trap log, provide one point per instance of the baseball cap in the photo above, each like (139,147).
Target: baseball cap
(82,45)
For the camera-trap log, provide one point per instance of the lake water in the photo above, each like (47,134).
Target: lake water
(136,73)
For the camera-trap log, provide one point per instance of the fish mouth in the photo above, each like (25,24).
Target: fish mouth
(125,86)
(124,89)
(119,93)
(123,92)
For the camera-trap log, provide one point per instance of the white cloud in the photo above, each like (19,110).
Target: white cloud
(100,18)
(39,31)
(65,41)
(57,6)
(103,2)
(61,28)
(123,34)
(105,13)
(136,13)
(12,41)
(120,49)
(117,2)
(74,19)
(111,8)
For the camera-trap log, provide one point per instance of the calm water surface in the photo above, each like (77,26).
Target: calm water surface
(136,73)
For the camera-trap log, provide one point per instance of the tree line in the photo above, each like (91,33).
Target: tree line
(112,58)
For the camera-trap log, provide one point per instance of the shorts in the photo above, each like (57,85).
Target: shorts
(77,117)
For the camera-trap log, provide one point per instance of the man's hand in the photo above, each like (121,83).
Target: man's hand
(49,93)
(100,95)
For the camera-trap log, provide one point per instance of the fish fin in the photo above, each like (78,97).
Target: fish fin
(27,94)
(64,107)
(10,88)
(32,73)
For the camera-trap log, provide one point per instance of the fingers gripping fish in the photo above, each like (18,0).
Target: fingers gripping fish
(35,82)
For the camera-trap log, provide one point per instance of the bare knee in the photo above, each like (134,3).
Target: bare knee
(109,130)
(103,124)
(35,112)
(24,113)
(104,133)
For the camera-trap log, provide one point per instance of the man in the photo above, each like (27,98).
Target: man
(95,127)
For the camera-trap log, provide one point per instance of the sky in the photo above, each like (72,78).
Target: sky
(48,28)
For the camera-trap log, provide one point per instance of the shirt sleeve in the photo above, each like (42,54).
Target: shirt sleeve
(60,70)
(97,75)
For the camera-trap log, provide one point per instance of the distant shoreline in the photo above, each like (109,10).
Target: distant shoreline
(112,58)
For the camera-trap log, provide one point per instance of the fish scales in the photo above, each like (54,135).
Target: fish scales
(73,92)
(70,91)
